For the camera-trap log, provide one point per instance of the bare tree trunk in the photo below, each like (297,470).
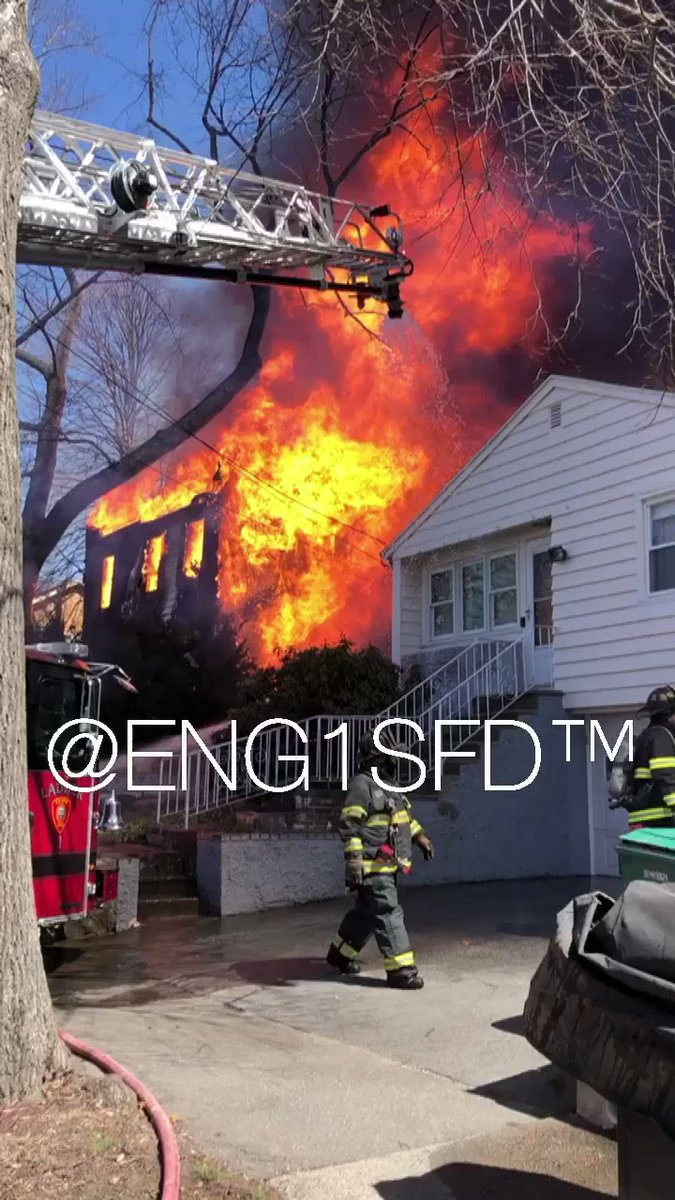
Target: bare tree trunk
(47,533)
(41,482)
(29,1047)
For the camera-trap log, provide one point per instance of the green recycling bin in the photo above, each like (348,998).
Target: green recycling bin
(648,854)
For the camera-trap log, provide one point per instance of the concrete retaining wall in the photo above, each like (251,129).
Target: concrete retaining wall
(125,907)
(247,874)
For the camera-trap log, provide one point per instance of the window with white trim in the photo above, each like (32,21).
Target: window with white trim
(661,545)
(442,603)
(473,596)
(503,590)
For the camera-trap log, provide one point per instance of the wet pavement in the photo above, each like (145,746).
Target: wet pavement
(284,1070)
(173,953)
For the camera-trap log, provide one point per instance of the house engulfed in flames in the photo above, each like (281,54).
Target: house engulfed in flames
(161,570)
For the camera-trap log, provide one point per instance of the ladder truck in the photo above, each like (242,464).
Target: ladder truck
(96,199)
(100,200)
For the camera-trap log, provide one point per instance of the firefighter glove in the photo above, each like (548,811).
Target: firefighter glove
(425,846)
(353,873)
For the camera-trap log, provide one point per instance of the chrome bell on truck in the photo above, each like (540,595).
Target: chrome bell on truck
(111,818)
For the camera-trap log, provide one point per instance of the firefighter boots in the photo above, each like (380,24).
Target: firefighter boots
(407,979)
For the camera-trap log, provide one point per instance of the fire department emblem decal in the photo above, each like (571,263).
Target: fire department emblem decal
(61,808)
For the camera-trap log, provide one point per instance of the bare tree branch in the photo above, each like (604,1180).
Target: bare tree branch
(41,320)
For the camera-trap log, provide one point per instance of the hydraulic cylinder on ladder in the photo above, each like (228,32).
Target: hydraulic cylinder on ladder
(97,199)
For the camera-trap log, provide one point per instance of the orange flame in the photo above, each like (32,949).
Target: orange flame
(152,561)
(194,549)
(355,422)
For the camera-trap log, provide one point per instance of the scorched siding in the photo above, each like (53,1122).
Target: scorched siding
(614,449)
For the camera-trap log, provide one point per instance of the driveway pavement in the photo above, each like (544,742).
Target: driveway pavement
(346,1089)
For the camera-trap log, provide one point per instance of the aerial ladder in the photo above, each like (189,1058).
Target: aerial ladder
(100,200)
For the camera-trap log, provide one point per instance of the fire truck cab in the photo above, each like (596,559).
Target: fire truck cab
(62,685)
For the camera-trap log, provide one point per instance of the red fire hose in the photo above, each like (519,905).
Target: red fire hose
(166,1135)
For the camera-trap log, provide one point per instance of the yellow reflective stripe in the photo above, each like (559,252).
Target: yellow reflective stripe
(658,764)
(346,950)
(375,868)
(415,828)
(642,773)
(407,959)
(648,814)
(354,810)
(380,820)
(354,844)
(670,798)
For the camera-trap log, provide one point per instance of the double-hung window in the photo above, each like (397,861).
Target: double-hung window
(661,545)
(442,603)
(503,590)
(473,596)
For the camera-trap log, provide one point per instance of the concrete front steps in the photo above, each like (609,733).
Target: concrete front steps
(519,710)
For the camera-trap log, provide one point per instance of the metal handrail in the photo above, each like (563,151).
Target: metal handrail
(481,694)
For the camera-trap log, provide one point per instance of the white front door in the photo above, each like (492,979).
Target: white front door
(539,610)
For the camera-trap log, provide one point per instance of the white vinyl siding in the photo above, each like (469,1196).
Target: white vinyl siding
(409,612)
(594,478)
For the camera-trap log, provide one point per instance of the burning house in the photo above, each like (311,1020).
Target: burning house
(349,426)
(160,570)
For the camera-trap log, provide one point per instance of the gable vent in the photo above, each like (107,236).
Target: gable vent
(556,415)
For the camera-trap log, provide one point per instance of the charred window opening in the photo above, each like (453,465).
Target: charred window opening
(194,548)
(152,561)
(107,576)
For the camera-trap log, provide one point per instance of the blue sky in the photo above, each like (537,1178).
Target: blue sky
(110,73)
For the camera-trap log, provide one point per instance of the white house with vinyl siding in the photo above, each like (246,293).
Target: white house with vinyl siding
(560,533)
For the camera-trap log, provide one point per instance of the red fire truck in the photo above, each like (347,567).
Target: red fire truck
(62,685)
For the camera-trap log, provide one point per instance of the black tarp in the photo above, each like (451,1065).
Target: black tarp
(602,1002)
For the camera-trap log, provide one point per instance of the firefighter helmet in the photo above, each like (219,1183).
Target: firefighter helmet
(660,702)
(368,750)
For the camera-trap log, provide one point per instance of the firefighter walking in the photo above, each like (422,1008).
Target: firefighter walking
(651,801)
(378,830)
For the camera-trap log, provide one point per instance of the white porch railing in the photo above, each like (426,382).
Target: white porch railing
(476,684)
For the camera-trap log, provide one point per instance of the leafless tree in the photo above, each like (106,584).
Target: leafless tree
(45,352)
(125,324)
(29,1046)
(90,362)
(56,27)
